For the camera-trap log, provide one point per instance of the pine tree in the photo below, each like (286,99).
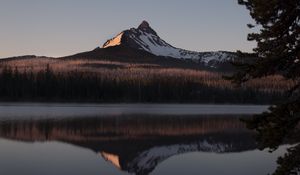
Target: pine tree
(278,39)
(278,52)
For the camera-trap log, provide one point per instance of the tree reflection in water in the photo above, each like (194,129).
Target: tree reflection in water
(280,125)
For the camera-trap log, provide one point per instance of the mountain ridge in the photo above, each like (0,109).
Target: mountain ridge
(145,38)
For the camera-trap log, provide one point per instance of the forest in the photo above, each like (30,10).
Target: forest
(134,86)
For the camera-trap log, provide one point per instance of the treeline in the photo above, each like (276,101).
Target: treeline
(47,85)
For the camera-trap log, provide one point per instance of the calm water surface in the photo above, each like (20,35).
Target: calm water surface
(76,139)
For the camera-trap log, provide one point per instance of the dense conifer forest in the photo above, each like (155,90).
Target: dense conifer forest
(129,86)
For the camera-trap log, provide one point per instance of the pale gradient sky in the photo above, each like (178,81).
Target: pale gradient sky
(63,27)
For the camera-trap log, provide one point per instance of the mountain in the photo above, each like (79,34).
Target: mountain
(141,45)
(146,39)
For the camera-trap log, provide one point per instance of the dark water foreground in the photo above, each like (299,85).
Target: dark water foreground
(121,139)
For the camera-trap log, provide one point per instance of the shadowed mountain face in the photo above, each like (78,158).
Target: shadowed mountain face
(126,54)
(137,144)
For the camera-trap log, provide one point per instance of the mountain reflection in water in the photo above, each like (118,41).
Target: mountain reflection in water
(137,143)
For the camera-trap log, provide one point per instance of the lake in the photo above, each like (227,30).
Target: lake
(140,139)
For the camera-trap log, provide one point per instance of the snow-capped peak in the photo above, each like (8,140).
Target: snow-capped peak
(145,38)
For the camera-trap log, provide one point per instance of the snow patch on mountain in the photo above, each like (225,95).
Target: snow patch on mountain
(154,45)
(219,56)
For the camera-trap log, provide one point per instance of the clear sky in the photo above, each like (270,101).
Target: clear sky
(63,27)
